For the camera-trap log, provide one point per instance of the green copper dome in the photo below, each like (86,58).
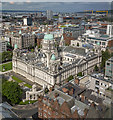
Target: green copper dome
(16,46)
(53,57)
(48,37)
(98,43)
(20,32)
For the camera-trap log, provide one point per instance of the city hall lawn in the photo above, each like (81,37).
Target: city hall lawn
(27,102)
(20,81)
(6,67)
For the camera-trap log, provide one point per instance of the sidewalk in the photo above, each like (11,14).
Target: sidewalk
(5,62)
(5,72)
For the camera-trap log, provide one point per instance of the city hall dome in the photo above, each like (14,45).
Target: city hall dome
(48,37)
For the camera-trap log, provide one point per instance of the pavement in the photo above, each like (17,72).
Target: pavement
(25,111)
(5,72)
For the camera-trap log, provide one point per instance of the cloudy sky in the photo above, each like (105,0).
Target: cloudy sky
(56,6)
(56,0)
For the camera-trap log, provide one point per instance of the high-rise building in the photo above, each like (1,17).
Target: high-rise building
(27,21)
(49,14)
(109,30)
(60,19)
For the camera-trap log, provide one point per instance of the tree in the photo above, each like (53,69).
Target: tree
(105,56)
(80,74)
(7,56)
(46,90)
(96,68)
(12,91)
(70,78)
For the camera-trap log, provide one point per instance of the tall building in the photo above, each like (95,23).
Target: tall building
(27,21)
(109,68)
(109,30)
(60,19)
(49,14)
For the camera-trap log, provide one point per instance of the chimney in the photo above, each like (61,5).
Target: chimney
(93,104)
(85,112)
(82,98)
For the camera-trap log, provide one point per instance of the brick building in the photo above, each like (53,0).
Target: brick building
(60,105)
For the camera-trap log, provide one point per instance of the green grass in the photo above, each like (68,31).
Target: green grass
(27,85)
(63,26)
(17,79)
(27,102)
(7,66)
(20,81)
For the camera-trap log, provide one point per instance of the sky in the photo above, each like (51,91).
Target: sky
(57,6)
(56,0)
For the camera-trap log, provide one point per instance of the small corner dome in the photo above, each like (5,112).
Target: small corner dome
(53,57)
(15,46)
(48,37)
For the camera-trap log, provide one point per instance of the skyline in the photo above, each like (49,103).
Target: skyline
(57,6)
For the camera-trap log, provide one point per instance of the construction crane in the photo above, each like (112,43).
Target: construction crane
(89,11)
(103,11)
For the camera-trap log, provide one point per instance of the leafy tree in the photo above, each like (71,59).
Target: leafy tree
(96,68)
(12,91)
(105,56)
(7,56)
(70,78)
(46,90)
(80,74)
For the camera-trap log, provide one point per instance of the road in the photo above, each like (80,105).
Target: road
(25,113)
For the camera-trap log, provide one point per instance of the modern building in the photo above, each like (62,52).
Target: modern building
(49,14)
(27,21)
(97,39)
(54,62)
(109,30)
(60,19)
(6,111)
(109,68)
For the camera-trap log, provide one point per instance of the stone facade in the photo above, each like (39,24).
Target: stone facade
(23,40)
(52,64)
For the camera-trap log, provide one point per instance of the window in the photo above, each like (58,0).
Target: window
(97,82)
(108,63)
(103,43)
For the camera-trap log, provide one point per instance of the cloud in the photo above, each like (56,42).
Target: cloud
(58,0)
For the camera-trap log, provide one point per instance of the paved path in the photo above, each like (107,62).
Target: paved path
(5,62)
(5,72)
